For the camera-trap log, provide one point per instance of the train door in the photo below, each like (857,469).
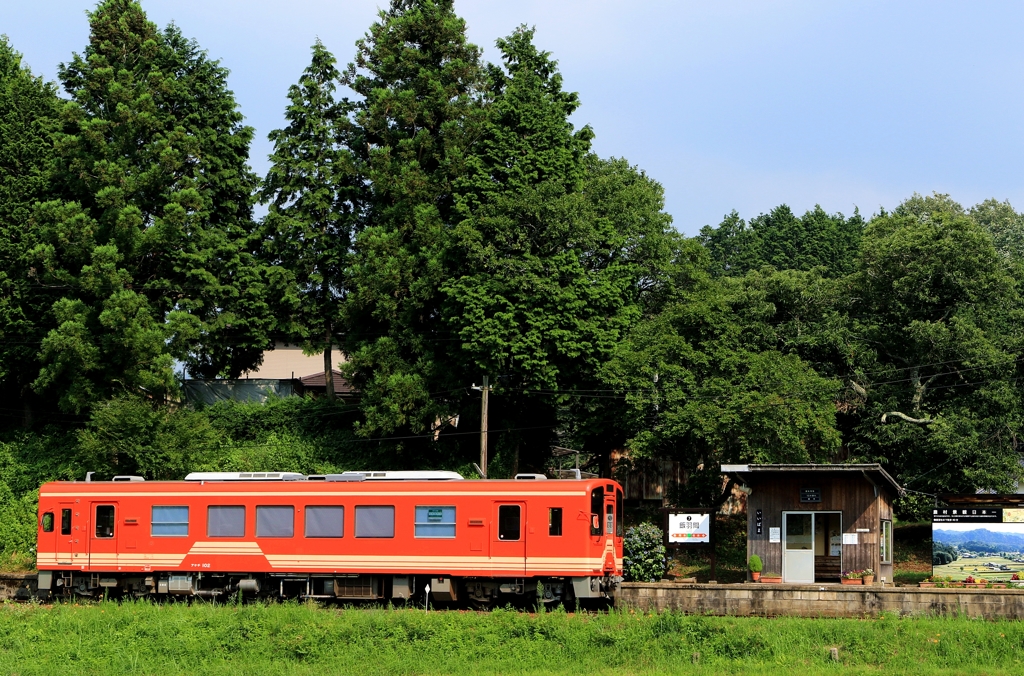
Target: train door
(508,542)
(103,535)
(71,548)
(609,523)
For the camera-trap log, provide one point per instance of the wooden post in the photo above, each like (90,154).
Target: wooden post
(483,426)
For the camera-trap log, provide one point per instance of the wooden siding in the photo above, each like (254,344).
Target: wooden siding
(842,492)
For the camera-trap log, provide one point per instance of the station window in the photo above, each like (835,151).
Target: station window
(886,548)
(596,509)
(554,521)
(275,521)
(225,521)
(48,522)
(375,521)
(435,522)
(508,522)
(170,521)
(65,522)
(104,521)
(325,521)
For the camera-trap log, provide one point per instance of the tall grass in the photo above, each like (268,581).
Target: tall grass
(140,638)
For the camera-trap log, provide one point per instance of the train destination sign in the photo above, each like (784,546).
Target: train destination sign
(689,528)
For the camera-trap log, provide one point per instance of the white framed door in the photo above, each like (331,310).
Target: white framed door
(798,547)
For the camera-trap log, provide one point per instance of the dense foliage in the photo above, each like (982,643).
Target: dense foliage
(643,553)
(433,219)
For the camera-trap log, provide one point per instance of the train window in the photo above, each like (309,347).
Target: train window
(508,522)
(554,521)
(48,522)
(375,521)
(275,521)
(435,522)
(65,522)
(104,521)
(609,519)
(225,521)
(169,521)
(325,521)
(618,513)
(596,508)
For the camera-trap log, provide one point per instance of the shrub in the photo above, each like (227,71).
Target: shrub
(755,564)
(643,553)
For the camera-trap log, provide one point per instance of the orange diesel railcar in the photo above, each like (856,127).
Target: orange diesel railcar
(367,535)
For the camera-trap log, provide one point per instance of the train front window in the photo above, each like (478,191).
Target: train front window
(596,509)
(48,522)
(65,522)
(554,521)
(104,521)
(508,522)
(618,513)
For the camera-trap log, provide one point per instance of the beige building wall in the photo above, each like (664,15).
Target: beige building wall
(287,361)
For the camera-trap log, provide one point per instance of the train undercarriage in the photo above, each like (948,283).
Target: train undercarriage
(475,592)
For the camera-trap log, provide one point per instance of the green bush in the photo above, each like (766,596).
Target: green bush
(755,564)
(644,553)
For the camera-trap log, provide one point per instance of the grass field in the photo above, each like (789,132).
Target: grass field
(140,638)
(978,568)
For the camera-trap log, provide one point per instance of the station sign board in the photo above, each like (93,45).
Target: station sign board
(689,528)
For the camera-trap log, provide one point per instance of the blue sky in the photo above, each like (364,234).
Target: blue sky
(730,105)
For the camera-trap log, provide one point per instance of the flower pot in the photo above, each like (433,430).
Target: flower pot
(771,580)
(755,575)
(868,579)
(925,584)
(855,580)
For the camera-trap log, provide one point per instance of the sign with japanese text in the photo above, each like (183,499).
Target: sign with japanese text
(689,528)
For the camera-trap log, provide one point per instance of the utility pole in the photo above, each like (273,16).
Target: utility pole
(484,391)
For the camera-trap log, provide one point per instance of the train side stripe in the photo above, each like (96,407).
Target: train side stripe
(110,495)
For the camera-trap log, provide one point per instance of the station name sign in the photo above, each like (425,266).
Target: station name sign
(689,528)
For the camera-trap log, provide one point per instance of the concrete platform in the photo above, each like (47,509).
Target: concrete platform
(820,600)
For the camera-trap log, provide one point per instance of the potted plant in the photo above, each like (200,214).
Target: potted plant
(868,576)
(771,577)
(851,577)
(928,582)
(755,566)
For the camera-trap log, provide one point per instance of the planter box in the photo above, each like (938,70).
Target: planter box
(771,580)
(855,580)
(925,584)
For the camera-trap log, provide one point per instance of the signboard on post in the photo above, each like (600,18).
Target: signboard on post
(689,528)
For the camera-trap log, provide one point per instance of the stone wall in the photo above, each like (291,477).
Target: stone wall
(820,600)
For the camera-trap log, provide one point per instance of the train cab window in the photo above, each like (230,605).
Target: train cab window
(104,521)
(596,509)
(508,522)
(609,519)
(65,522)
(275,521)
(435,522)
(48,522)
(169,521)
(325,521)
(375,521)
(225,521)
(618,513)
(554,521)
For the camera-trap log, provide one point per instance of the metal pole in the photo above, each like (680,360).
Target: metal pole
(485,390)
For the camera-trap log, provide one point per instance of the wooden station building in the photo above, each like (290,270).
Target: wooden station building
(812,522)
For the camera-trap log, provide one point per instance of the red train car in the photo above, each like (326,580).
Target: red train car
(352,536)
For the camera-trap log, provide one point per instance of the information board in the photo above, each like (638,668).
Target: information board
(689,528)
(980,542)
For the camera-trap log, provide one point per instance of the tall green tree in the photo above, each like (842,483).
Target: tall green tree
(420,84)
(939,311)
(785,241)
(29,120)
(152,246)
(315,202)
